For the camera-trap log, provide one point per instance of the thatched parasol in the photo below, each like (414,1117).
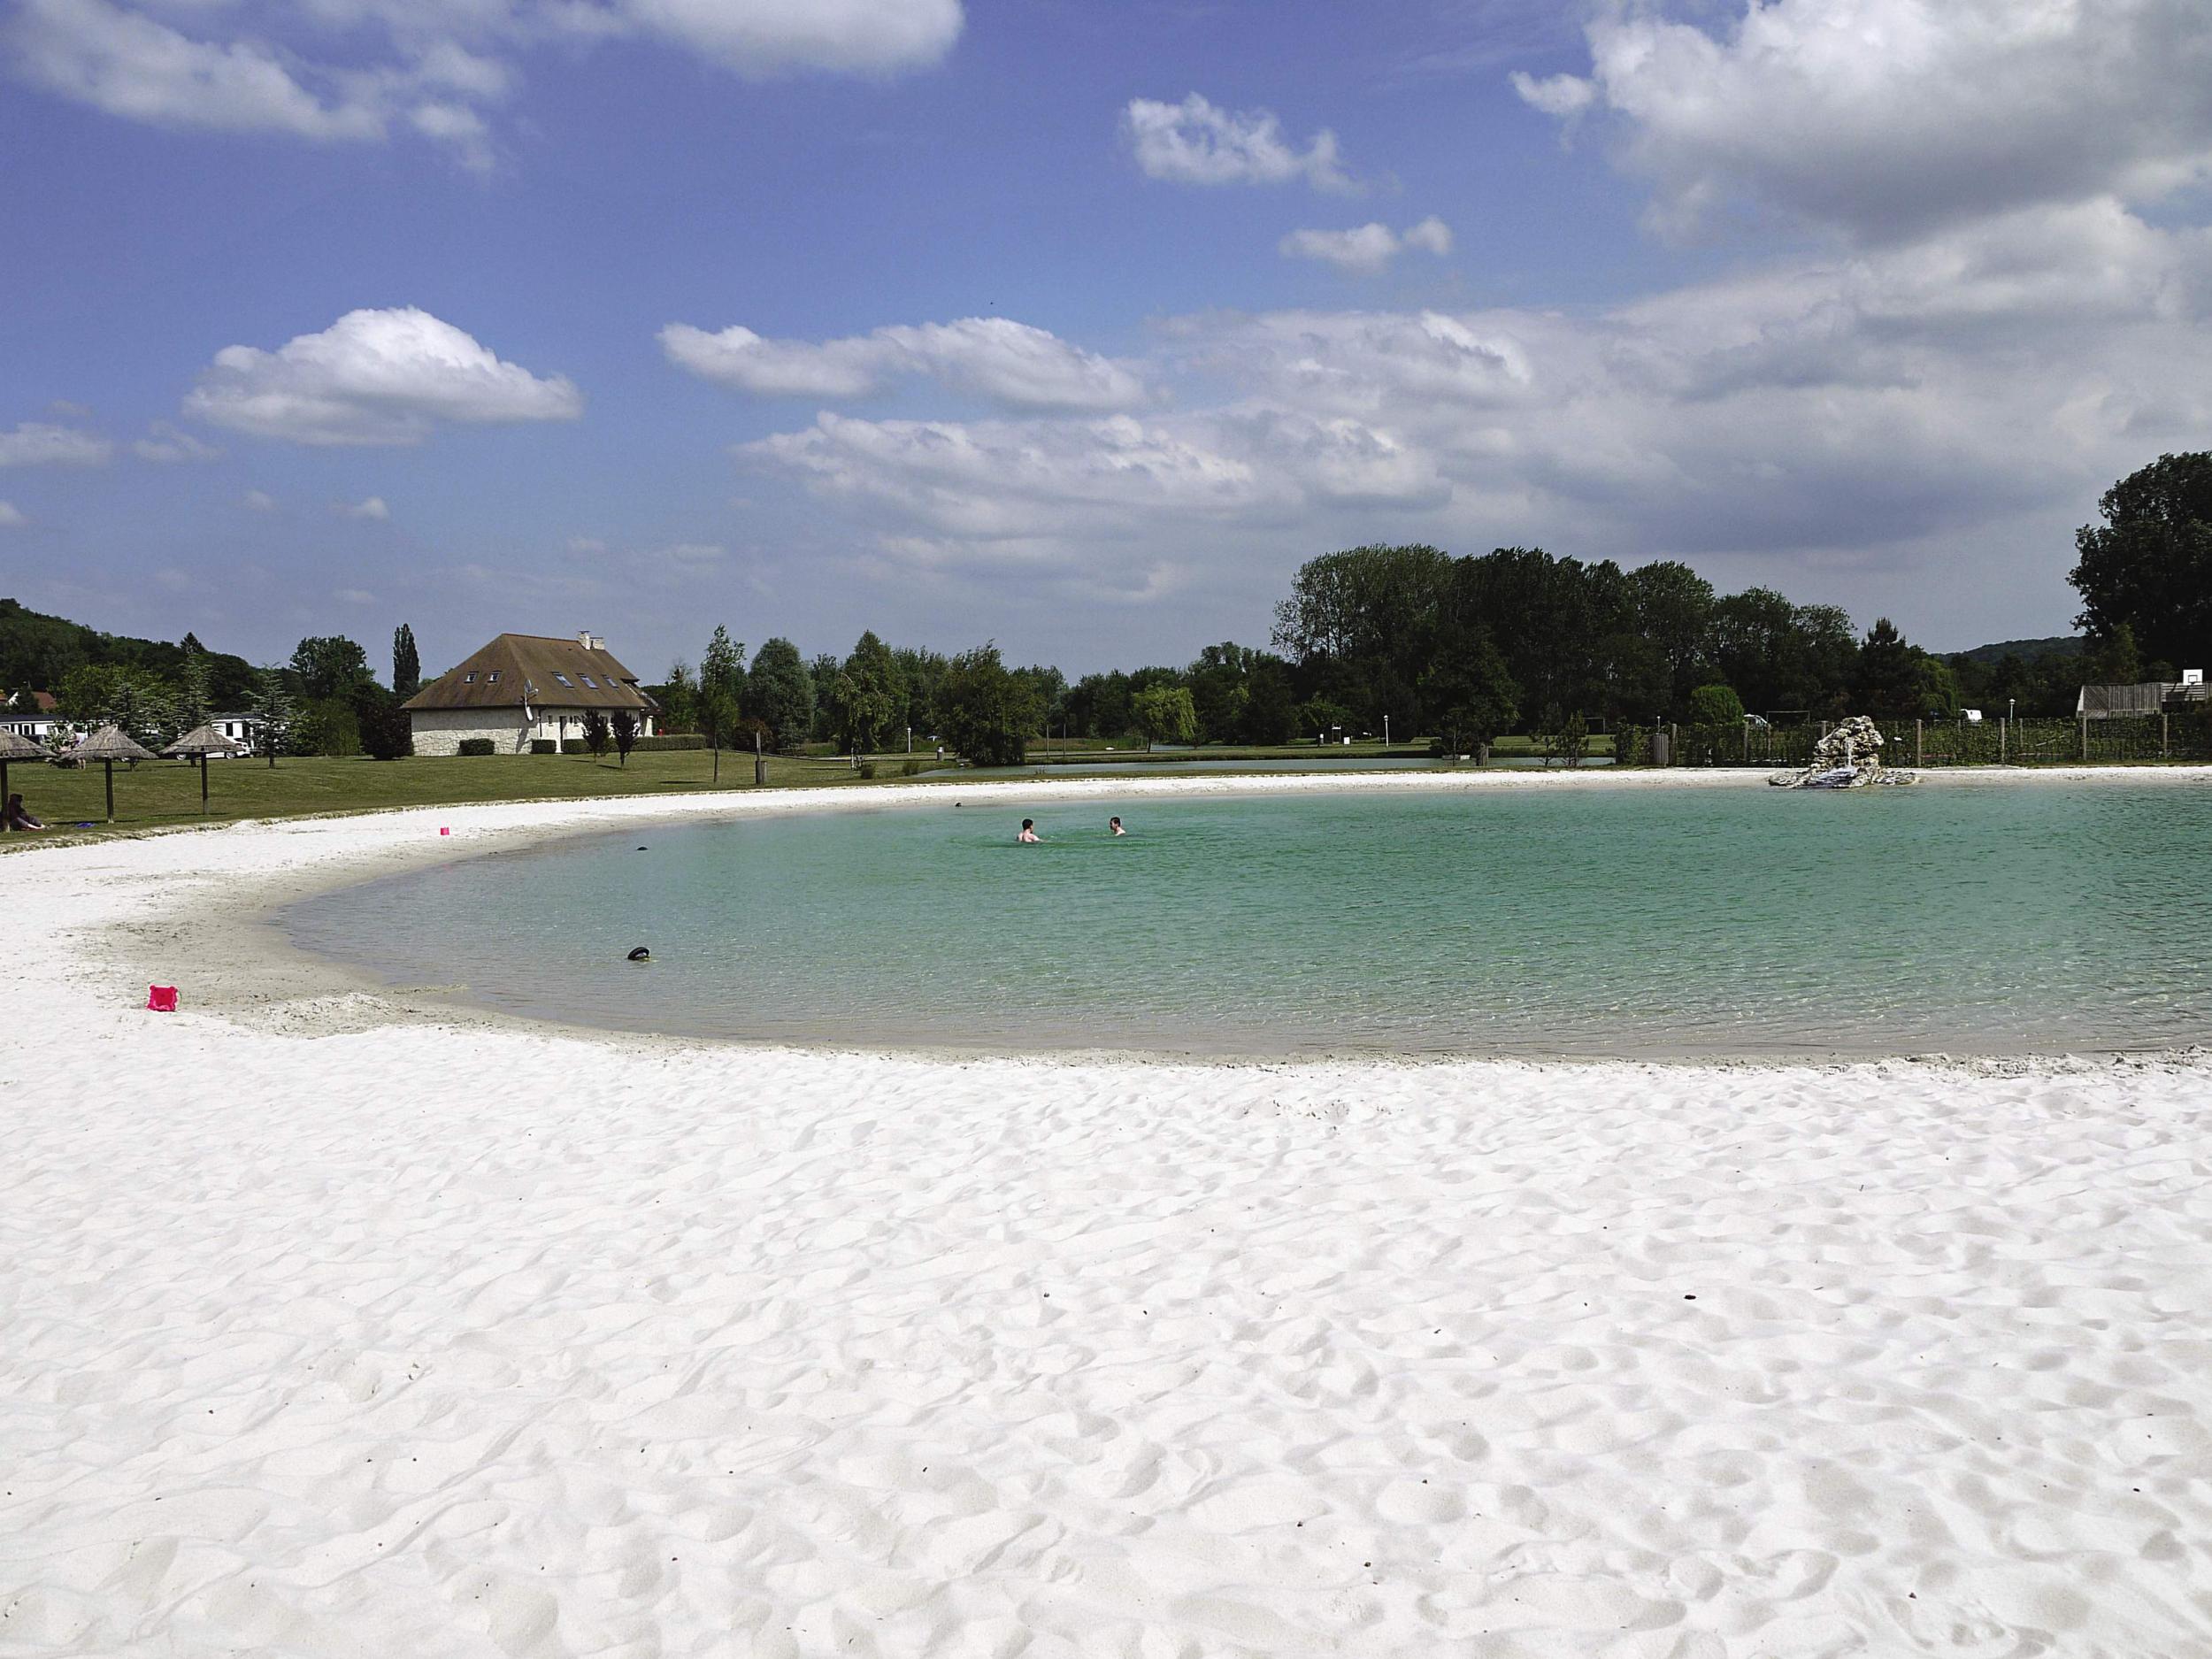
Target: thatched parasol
(107,746)
(13,747)
(200,743)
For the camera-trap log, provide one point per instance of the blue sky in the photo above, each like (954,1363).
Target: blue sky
(1076,326)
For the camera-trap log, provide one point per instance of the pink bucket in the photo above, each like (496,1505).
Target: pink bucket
(162,998)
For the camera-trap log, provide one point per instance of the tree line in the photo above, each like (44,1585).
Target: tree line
(1407,640)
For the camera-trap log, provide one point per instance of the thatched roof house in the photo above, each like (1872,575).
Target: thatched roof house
(523,686)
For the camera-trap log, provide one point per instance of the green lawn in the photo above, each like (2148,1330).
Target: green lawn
(162,794)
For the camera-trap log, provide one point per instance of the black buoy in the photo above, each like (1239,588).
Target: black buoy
(640,849)
(641,954)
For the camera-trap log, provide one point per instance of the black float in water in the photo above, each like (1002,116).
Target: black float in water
(641,954)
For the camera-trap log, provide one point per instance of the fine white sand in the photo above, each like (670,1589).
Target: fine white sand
(332,1327)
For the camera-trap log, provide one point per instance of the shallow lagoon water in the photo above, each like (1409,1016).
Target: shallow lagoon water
(1644,921)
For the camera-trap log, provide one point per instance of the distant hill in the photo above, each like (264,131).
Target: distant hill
(2027,651)
(37,650)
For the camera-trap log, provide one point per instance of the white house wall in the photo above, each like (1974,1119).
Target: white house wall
(440,731)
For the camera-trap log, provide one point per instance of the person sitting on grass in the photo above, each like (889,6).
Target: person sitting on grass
(18,817)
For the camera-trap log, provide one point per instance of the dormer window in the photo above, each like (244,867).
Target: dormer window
(492,679)
(468,680)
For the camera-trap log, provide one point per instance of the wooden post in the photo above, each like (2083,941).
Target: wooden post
(2165,734)
(2004,734)
(202,783)
(110,772)
(1674,744)
(760,763)
(1918,749)
(2085,739)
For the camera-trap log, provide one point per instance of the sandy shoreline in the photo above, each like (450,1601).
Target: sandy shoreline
(339,1326)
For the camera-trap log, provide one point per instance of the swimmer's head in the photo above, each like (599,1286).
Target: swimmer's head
(1029,823)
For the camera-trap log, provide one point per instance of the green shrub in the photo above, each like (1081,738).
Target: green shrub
(1714,705)
(475,746)
(545,746)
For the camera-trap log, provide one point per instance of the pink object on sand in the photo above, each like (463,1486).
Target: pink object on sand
(162,998)
(444,831)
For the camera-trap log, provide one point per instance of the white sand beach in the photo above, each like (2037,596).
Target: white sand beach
(340,1322)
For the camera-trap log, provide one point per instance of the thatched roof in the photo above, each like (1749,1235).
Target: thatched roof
(15,746)
(517,669)
(107,743)
(205,740)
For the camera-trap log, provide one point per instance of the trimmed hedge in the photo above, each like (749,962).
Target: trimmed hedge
(475,745)
(666,743)
(2023,742)
(545,746)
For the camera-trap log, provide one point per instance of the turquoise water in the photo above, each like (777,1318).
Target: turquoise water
(1645,921)
(1201,768)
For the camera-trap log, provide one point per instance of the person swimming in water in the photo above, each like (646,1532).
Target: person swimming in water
(1029,831)
(1114,824)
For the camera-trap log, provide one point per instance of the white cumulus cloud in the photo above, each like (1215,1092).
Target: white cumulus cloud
(259,501)
(167,442)
(37,444)
(1197,143)
(1913,428)
(993,479)
(1369,248)
(1889,118)
(356,71)
(994,358)
(372,508)
(375,377)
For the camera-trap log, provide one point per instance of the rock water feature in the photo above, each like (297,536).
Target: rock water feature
(1848,758)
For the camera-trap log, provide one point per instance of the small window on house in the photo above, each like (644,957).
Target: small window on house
(492,679)
(468,680)
(587,680)
(563,679)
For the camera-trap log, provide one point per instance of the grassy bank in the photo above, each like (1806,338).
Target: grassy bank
(162,794)
(167,794)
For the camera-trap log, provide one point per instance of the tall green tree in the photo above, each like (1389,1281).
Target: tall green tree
(328,667)
(386,733)
(1165,714)
(406,664)
(718,718)
(1270,713)
(782,693)
(867,697)
(188,704)
(722,668)
(141,704)
(2149,565)
(679,698)
(985,712)
(1886,679)
(1469,692)
(271,698)
(1673,610)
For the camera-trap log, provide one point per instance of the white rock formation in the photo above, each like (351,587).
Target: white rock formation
(1849,756)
